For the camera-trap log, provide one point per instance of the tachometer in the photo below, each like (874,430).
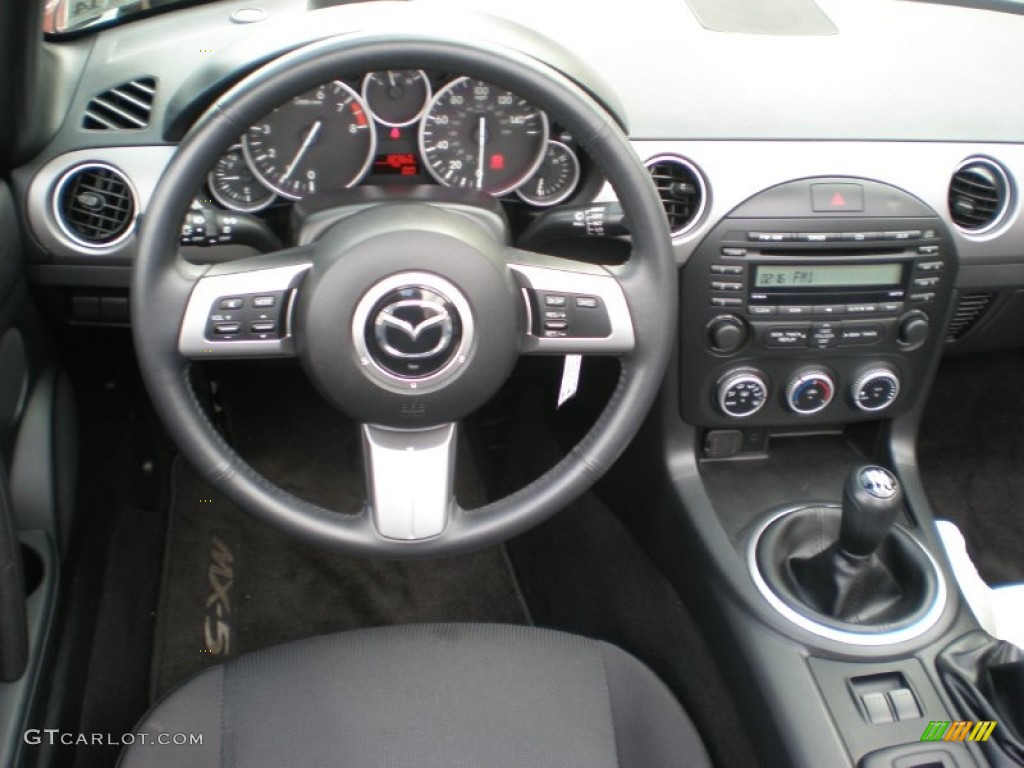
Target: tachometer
(319,141)
(234,186)
(479,136)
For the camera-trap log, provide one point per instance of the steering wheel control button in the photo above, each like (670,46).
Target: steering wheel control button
(742,392)
(569,315)
(875,389)
(250,317)
(810,392)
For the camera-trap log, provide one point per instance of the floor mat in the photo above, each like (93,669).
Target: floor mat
(971,452)
(232,584)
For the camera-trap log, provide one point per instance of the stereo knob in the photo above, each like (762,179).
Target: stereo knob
(875,389)
(913,329)
(810,391)
(727,334)
(742,392)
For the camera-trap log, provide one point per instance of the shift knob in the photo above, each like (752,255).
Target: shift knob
(872,499)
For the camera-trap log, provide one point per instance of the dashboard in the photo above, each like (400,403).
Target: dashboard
(723,110)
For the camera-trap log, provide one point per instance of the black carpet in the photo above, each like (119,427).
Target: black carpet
(233,585)
(971,451)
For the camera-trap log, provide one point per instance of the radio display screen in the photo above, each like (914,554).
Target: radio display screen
(827,275)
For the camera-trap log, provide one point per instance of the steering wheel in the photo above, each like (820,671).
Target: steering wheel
(407,315)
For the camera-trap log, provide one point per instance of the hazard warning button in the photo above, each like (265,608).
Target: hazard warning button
(828,198)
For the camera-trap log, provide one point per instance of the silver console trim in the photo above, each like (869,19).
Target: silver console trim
(876,639)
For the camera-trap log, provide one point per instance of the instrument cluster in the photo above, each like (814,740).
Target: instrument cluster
(401,126)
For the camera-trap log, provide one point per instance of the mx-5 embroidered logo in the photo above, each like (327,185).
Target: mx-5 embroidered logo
(959,730)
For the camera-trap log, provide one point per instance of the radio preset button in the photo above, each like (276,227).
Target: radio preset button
(909,234)
(922,298)
(734,253)
(762,310)
(771,237)
(727,269)
(891,307)
(718,285)
(929,266)
(861,309)
(786,336)
(927,249)
(726,301)
(925,282)
(860,237)
(830,309)
(860,334)
(792,309)
(818,237)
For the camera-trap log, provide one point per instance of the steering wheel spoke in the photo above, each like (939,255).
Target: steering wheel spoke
(572,307)
(243,308)
(409,479)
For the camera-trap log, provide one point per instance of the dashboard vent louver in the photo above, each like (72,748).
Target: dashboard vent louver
(979,195)
(125,107)
(682,190)
(95,205)
(969,310)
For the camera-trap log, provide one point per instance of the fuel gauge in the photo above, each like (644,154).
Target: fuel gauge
(555,179)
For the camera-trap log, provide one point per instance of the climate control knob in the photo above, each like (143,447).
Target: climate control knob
(810,391)
(742,392)
(875,389)
(727,334)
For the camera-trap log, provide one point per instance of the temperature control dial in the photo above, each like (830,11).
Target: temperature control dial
(742,392)
(875,389)
(810,391)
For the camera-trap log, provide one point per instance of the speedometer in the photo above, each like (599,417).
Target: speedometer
(319,141)
(478,136)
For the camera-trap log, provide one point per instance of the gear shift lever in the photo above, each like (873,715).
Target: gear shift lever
(848,580)
(872,499)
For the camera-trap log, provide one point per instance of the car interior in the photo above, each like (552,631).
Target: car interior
(421,383)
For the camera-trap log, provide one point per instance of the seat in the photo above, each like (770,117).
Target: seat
(423,696)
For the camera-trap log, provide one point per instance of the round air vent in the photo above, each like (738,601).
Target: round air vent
(94,204)
(682,189)
(979,195)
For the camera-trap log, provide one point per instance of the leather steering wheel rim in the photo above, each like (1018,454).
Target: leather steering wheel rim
(162,283)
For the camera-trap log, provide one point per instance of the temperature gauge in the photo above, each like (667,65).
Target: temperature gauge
(555,179)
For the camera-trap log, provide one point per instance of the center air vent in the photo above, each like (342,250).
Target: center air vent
(979,195)
(124,107)
(681,188)
(94,205)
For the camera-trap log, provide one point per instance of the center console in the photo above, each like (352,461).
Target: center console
(812,321)
(815,302)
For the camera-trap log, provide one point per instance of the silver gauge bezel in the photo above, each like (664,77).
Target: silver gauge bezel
(532,168)
(423,107)
(234,205)
(547,202)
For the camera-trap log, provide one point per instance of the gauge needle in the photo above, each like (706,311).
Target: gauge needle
(391,78)
(313,131)
(480,159)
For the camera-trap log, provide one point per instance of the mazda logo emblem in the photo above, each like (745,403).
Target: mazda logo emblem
(412,331)
(390,323)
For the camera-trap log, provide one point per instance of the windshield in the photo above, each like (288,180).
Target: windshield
(67,16)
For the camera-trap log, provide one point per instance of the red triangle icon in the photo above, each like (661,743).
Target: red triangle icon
(838,201)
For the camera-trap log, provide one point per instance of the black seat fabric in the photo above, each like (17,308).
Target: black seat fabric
(424,696)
